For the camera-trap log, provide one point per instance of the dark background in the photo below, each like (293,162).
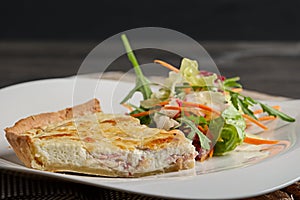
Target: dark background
(202,20)
(256,40)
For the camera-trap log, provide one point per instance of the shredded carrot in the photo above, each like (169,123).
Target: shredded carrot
(261,111)
(145,113)
(206,127)
(204,107)
(201,129)
(265,118)
(163,103)
(257,141)
(211,153)
(167,65)
(186,113)
(183,109)
(237,90)
(127,106)
(173,108)
(255,122)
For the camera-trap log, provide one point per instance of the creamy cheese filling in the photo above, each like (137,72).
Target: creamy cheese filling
(137,161)
(110,142)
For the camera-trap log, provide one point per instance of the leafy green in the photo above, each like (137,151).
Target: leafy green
(209,98)
(271,111)
(172,81)
(197,119)
(189,68)
(215,128)
(204,141)
(161,95)
(234,99)
(142,83)
(190,72)
(232,83)
(229,140)
(242,102)
(149,103)
(140,109)
(197,88)
(232,133)
(234,117)
(137,88)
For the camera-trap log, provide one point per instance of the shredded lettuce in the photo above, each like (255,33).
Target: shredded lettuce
(233,131)
(189,70)
(215,100)
(173,80)
(233,117)
(165,92)
(228,141)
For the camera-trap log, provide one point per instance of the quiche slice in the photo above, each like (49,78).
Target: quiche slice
(84,140)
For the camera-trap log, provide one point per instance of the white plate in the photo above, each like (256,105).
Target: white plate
(246,173)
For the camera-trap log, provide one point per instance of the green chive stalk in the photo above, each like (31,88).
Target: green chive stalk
(142,83)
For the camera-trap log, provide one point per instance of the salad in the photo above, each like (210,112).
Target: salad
(208,108)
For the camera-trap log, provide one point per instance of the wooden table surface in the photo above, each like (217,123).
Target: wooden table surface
(271,68)
(267,67)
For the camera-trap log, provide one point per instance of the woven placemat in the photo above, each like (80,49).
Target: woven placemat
(17,185)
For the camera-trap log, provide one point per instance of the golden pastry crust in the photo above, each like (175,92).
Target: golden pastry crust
(22,143)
